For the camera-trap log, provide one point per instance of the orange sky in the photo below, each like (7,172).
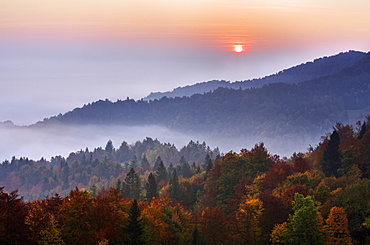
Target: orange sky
(258,24)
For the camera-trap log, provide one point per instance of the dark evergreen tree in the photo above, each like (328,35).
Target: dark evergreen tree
(185,168)
(198,170)
(197,238)
(174,187)
(331,158)
(134,163)
(170,169)
(129,183)
(109,147)
(65,174)
(182,160)
(123,153)
(157,162)
(119,185)
(207,158)
(134,228)
(151,187)
(145,163)
(209,165)
(362,131)
(84,161)
(136,188)
(161,173)
(90,157)
(208,162)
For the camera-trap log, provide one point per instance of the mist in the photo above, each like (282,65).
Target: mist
(48,141)
(35,142)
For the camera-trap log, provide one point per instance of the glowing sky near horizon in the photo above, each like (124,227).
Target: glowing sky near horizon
(60,54)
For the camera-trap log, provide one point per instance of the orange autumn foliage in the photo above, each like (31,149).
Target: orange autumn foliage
(336,228)
(214,226)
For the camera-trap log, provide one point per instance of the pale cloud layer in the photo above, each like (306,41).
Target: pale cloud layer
(48,142)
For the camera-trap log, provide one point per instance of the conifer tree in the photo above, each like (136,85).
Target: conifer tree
(161,173)
(134,228)
(331,160)
(119,185)
(65,173)
(174,188)
(145,163)
(109,147)
(157,163)
(134,163)
(151,187)
(170,169)
(197,238)
(208,162)
(185,168)
(129,183)
(136,188)
(362,131)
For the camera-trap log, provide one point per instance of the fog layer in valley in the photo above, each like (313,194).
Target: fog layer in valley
(49,141)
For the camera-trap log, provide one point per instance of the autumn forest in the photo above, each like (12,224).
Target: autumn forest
(153,193)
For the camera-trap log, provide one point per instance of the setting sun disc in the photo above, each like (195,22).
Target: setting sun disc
(238,48)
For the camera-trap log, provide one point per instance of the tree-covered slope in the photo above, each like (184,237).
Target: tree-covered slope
(300,73)
(280,114)
(253,197)
(100,167)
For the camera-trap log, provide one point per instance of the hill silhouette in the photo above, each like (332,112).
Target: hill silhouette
(284,116)
(300,73)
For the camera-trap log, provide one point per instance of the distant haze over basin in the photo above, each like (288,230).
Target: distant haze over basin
(50,141)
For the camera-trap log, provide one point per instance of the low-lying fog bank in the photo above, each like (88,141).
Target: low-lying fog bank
(49,141)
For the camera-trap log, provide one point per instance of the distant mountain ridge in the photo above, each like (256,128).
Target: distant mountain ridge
(283,116)
(300,73)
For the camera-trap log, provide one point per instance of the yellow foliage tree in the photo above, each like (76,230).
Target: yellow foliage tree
(336,228)
(154,226)
(164,223)
(51,235)
(277,234)
(248,216)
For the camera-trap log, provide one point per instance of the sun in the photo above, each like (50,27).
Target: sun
(238,48)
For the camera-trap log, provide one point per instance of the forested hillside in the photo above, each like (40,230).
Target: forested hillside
(282,115)
(251,197)
(304,72)
(153,193)
(100,167)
